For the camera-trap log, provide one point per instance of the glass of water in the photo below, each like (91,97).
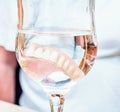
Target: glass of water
(56,44)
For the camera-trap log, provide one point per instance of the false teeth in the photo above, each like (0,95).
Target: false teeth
(64,62)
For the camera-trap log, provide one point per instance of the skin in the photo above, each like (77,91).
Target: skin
(8,66)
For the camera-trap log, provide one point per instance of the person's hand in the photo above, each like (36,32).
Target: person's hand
(8,65)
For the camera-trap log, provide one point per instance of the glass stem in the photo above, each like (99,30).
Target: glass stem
(56,103)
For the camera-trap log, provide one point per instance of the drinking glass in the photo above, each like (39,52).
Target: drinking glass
(56,44)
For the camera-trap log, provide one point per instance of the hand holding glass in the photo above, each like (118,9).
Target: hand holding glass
(56,44)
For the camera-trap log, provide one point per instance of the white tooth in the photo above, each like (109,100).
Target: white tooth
(46,54)
(66,64)
(28,52)
(60,61)
(77,74)
(54,56)
(70,70)
(38,53)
